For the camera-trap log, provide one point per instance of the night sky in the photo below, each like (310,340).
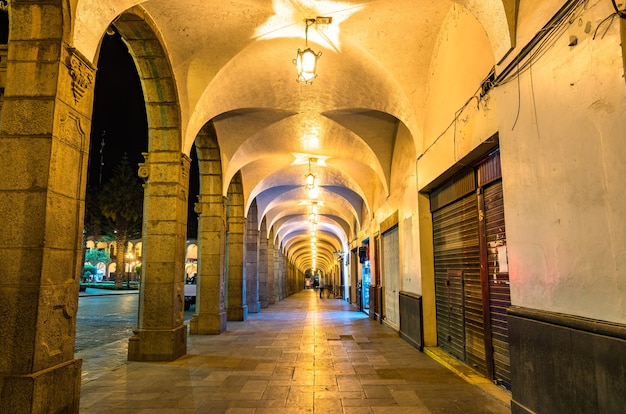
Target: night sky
(119,117)
(119,112)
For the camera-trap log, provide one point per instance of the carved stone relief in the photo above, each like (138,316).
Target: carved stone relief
(71,130)
(144,167)
(82,75)
(57,338)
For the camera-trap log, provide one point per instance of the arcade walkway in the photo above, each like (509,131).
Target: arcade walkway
(302,355)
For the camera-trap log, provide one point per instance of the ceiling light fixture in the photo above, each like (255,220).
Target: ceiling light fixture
(306,60)
(314,208)
(310,177)
(314,193)
(310,181)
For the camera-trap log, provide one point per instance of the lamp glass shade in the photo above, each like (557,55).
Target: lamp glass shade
(310,181)
(306,64)
(314,192)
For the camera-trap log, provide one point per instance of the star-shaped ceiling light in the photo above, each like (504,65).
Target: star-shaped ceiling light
(289,14)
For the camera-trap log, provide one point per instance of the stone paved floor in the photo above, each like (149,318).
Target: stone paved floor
(302,355)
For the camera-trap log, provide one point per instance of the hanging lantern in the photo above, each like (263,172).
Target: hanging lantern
(306,60)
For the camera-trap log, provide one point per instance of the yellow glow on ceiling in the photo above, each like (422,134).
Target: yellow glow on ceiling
(310,141)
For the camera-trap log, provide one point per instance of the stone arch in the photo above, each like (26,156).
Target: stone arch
(252,259)
(236,276)
(209,161)
(454,83)
(4,24)
(166,175)
(453,123)
(157,81)
(210,316)
(499,20)
(266,278)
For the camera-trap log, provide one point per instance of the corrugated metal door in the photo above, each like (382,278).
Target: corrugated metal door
(471,270)
(391,276)
(457,281)
(451,314)
(498,281)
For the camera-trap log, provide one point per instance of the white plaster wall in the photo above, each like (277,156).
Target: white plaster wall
(404,172)
(409,248)
(564,175)
(455,123)
(403,198)
(91,21)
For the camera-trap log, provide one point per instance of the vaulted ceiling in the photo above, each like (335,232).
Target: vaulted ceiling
(232,66)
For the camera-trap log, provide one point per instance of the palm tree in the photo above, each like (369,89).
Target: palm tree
(93,215)
(121,202)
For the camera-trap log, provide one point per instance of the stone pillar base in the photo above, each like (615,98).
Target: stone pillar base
(256,308)
(53,390)
(207,324)
(157,345)
(238,313)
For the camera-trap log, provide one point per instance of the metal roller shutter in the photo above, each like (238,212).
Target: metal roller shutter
(471,270)
(498,278)
(391,276)
(457,282)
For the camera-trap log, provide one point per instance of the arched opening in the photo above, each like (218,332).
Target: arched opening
(119,135)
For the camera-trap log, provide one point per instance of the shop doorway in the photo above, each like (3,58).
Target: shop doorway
(471,269)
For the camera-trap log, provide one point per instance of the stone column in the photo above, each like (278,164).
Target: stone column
(44,141)
(252,260)
(264,282)
(271,276)
(210,316)
(276,271)
(291,278)
(280,277)
(161,334)
(237,308)
(284,275)
(295,277)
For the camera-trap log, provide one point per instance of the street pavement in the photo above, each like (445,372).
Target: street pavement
(104,316)
(104,322)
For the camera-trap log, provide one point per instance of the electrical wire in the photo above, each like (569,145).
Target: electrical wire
(546,38)
(612,17)
(457,114)
(519,101)
(620,13)
(554,31)
(532,94)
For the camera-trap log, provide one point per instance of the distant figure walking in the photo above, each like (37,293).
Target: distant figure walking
(321,289)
